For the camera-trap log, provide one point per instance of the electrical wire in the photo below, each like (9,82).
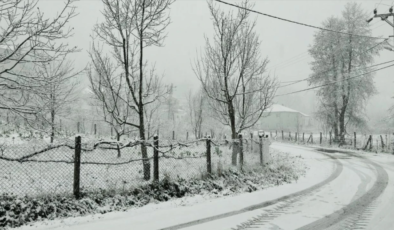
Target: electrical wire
(331,83)
(323,72)
(295,22)
(366,67)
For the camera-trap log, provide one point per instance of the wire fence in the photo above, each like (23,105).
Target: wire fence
(367,142)
(77,166)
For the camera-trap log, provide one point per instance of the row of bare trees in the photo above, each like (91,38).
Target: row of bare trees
(123,82)
(39,82)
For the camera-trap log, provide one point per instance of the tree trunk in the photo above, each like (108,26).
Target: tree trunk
(342,130)
(233,134)
(336,119)
(144,152)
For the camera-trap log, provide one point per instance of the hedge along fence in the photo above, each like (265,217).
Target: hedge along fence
(73,167)
(366,142)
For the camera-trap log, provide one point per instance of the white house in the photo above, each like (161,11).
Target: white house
(279,117)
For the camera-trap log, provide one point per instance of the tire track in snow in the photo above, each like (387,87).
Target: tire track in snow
(361,204)
(288,199)
(359,220)
(355,222)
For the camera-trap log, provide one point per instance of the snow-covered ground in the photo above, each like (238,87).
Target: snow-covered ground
(355,192)
(157,216)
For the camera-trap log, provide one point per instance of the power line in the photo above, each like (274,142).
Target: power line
(331,83)
(366,67)
(323,72)
(298,23)
(301,56)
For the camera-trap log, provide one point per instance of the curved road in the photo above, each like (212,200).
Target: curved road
(342,190)
(358,195)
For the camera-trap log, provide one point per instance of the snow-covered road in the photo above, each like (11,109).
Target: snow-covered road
(340,191)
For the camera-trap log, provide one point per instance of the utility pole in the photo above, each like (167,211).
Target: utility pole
(384,17)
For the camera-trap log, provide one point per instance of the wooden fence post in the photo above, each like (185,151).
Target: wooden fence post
(95,129)
(381,139)
(156,157)
(209,164)
(303,137)
(370,143)
(330,138)
(173,135)
(296,136)
(251,141)
(78,127)
(290,139)
(241,151)
(387,143)
(355,140)
(321,137)
(261,149)
(187,135)
(77,167)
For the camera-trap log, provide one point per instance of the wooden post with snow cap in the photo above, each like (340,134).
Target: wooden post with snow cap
(261,149)
(156,157)
(77,167)
(209,163)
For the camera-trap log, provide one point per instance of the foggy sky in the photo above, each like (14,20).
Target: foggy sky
(283,43)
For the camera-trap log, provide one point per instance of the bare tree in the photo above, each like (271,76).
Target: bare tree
(196,111)
(233,73)
(130,27)
(58,93)
(28,38)
(110,93)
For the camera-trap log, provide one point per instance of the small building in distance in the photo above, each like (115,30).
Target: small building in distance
(279,117)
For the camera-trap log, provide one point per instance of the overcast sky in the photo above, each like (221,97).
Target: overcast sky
(285,44)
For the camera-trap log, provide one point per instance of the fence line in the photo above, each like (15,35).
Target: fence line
(93,165)
(371,142)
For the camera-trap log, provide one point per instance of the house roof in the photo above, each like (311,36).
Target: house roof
(277,108)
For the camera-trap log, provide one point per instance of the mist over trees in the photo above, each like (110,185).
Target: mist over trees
(128,97)
(338,57)
(28,37)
